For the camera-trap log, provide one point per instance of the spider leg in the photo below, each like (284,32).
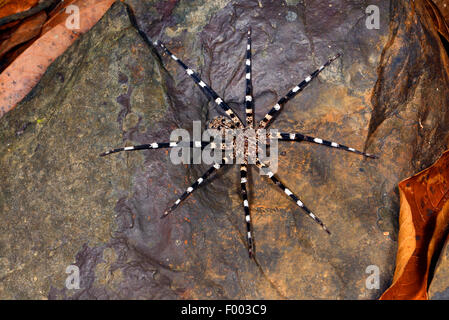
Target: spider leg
(300,137)
(243,185)
(207,90)
(292,196)
(155,145)
(195,186)
(292,93)
(249,104)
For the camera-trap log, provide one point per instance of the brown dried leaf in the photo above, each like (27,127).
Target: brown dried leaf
(437,14)
(10,7)
(424,219)
(26,70)
(28,29)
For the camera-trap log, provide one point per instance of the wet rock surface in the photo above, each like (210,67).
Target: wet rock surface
(63,205)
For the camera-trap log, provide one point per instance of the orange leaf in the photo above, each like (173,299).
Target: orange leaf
(438,18)
(28,29)
(9,25)
(423,220)
(58,15)
(25,72)
(10,7)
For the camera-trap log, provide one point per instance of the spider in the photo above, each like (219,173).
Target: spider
(233,122)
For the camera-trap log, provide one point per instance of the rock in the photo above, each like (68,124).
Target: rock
(66,206)
(439,288)
(58,197)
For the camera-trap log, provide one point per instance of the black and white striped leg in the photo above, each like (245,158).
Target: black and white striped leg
(156,145)
(276,109)
(300,137)
(243,185)
(292,196)
(195,185)
(209,92)
(249,103)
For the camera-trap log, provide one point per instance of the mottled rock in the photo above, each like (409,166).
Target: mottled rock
(439,288)
(57,197)
(111,89)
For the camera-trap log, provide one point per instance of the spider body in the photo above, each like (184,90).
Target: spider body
(222,123)
(246,139)
(242,142)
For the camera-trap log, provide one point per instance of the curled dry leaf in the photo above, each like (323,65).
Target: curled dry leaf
(17,80)
(443,6)
(438,18)
(28,29)
(424,221)
(10,7)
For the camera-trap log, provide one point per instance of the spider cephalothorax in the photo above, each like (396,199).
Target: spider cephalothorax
(243,148)
(241,142)
(222,123)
